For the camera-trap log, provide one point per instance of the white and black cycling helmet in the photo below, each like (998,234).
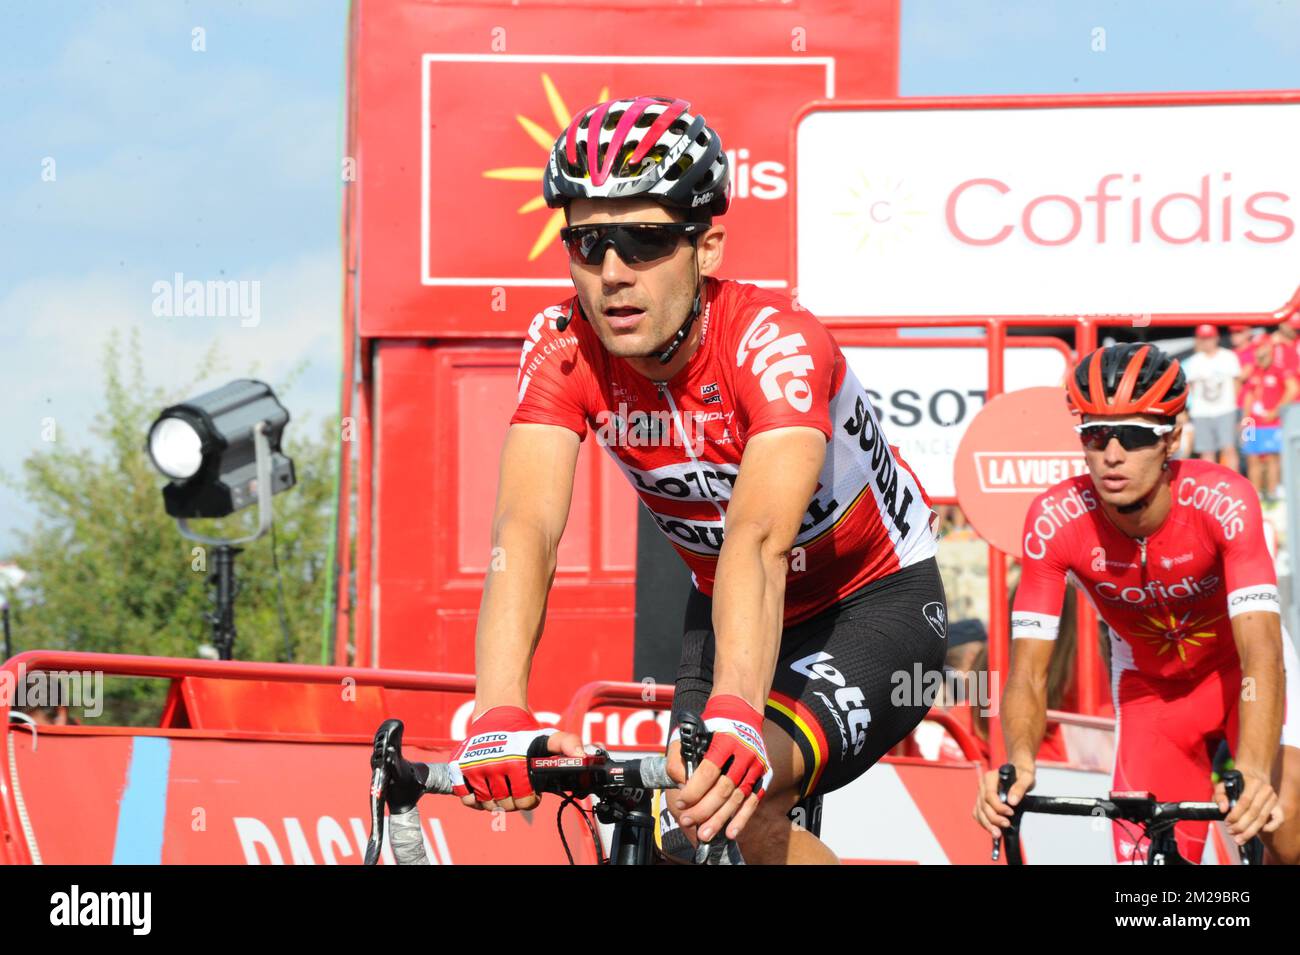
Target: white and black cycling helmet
(650,146)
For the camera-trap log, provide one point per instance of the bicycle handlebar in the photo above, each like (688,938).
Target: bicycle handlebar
(398,784)
(1141,809)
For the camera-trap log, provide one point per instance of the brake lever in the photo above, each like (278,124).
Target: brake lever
(388,739)
(396,784)
(1006,779)
(1233,785)
(695,743)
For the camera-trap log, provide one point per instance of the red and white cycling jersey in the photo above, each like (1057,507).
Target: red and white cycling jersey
(1170,598)
(761,364)
(1169,602)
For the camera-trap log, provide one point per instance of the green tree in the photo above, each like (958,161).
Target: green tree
(110,571)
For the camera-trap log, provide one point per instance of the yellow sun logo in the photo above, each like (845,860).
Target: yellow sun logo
(1190,631)
(562,117)
(879,214)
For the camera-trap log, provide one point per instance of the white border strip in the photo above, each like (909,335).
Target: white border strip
(826,62)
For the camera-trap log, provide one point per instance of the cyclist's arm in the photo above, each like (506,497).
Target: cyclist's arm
(1258,636)
(1255,612)
(777,479)
(1256,616)
(1024,702)
(785,375)
(537,467)
(1035,622)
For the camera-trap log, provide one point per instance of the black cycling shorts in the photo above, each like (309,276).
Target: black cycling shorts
(850,682)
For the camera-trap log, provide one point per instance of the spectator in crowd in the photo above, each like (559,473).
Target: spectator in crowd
(1245,352)
(1240,336)
(967,639)
(951,519)
(49,715)
(1285,338)
(1270,383)
(1212,374)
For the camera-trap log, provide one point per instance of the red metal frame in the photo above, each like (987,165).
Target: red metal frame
(123,664)
(600,693)
(343,535)
(615,693)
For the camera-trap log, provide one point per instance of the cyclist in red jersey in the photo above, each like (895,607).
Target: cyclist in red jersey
(1172,555)
(758,453)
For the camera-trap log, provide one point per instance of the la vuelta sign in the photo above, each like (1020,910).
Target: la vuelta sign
(1015,472)
(1020,444)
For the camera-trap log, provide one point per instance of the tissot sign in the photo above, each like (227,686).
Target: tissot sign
(926,398)
(1056,209)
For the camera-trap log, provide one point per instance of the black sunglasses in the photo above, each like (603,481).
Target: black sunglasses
(635,242)
(1131,437)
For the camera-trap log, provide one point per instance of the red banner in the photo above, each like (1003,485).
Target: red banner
(458,107)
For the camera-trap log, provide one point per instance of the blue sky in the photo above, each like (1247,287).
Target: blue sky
(225,164)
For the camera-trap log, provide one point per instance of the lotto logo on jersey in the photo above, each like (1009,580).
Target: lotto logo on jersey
(779,377)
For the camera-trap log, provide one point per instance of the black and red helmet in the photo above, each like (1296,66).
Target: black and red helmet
(650,146)
(1129,379)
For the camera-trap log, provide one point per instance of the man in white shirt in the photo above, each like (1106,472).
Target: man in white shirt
(1212,398)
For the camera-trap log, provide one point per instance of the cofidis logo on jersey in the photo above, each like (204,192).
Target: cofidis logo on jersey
(1229,511)
(1057,511)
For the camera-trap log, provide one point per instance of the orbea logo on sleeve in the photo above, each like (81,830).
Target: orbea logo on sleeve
(766,337)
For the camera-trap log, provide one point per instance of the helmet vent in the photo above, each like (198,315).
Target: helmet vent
(676,170)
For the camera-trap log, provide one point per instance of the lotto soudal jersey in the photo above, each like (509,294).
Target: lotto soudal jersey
(761,364)
(1168,598)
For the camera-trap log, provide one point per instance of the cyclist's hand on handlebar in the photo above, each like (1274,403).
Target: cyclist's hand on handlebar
(990,811)
(1257,810)
(677,772)
(490,770)
(713,800)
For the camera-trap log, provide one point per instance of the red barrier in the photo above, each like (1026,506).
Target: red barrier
(249,783)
